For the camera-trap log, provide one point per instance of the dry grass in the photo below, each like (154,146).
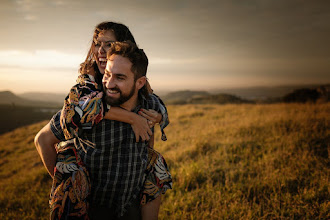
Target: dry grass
(227,161)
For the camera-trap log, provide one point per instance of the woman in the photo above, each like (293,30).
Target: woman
(82,109)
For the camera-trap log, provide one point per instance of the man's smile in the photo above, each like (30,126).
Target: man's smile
(112,92)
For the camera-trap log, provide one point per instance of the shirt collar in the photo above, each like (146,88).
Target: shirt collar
(142,103)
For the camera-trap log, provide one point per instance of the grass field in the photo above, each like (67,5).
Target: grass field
(228,162)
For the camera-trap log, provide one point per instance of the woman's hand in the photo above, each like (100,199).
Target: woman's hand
(152,116)
(141,128)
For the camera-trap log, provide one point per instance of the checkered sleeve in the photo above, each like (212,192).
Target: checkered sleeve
(55,126)
(162,110)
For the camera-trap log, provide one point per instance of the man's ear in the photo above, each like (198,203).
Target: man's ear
(140,82)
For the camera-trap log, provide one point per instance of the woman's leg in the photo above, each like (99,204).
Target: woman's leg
(150,210)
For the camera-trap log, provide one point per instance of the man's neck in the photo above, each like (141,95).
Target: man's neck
(130,104)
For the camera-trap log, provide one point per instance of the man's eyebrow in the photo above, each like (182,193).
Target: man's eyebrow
(115,74)
(120,74)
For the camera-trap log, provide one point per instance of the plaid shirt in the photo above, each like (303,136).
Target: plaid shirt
(116,163)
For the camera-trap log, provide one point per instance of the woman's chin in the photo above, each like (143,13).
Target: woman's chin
(101,69)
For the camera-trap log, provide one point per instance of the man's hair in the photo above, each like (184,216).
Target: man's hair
(137,57)
(121,32)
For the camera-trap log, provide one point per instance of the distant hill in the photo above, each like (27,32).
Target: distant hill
(44,97)
(183,97)
(9,98)
(200,97)
(218,99)
(319,94)
(263,92)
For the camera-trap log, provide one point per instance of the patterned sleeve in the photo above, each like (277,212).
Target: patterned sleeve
(83,107)
(162,110)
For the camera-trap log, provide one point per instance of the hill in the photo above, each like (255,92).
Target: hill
(200,97)
(263,92)
(9,98)
(242,161)
(182,97)
(44,97)
(217,99)
(319,94)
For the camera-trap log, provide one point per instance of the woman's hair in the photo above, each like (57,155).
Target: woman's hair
(121,32)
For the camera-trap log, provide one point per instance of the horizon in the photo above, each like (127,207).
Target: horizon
(191,45)
(212,91)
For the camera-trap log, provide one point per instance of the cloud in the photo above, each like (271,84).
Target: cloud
(24,5)
(30,17)
(166,61)
(26,8)
(41,59)
(58,3)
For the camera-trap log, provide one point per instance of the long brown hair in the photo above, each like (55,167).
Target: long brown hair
(121,32)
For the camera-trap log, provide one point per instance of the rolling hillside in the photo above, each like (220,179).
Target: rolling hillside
(182,97)
(16,111)
(44,97)
(200,97)
(9,98)
(228,162)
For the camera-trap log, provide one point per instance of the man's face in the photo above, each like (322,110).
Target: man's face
(101,46)
(118,80)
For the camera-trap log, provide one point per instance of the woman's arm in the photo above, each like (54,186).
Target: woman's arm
(84,108)
(139,124)
(151,115)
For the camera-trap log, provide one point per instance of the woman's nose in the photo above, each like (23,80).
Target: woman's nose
(101,49)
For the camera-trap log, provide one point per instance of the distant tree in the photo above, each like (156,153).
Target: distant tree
(302,96)
(324,93)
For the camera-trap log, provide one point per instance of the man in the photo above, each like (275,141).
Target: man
(117,162)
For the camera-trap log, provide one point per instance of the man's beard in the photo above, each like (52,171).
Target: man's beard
(122,98)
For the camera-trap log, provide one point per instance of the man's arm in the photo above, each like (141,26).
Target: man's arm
(44,142)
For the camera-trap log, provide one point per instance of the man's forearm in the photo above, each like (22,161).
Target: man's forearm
(44,142)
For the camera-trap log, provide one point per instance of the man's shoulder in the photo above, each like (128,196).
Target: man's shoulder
(155,99)
(152,102)
(152,99)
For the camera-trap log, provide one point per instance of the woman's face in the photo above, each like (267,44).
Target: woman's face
(101,46)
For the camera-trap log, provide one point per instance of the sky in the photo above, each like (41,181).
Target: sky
(196,45)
